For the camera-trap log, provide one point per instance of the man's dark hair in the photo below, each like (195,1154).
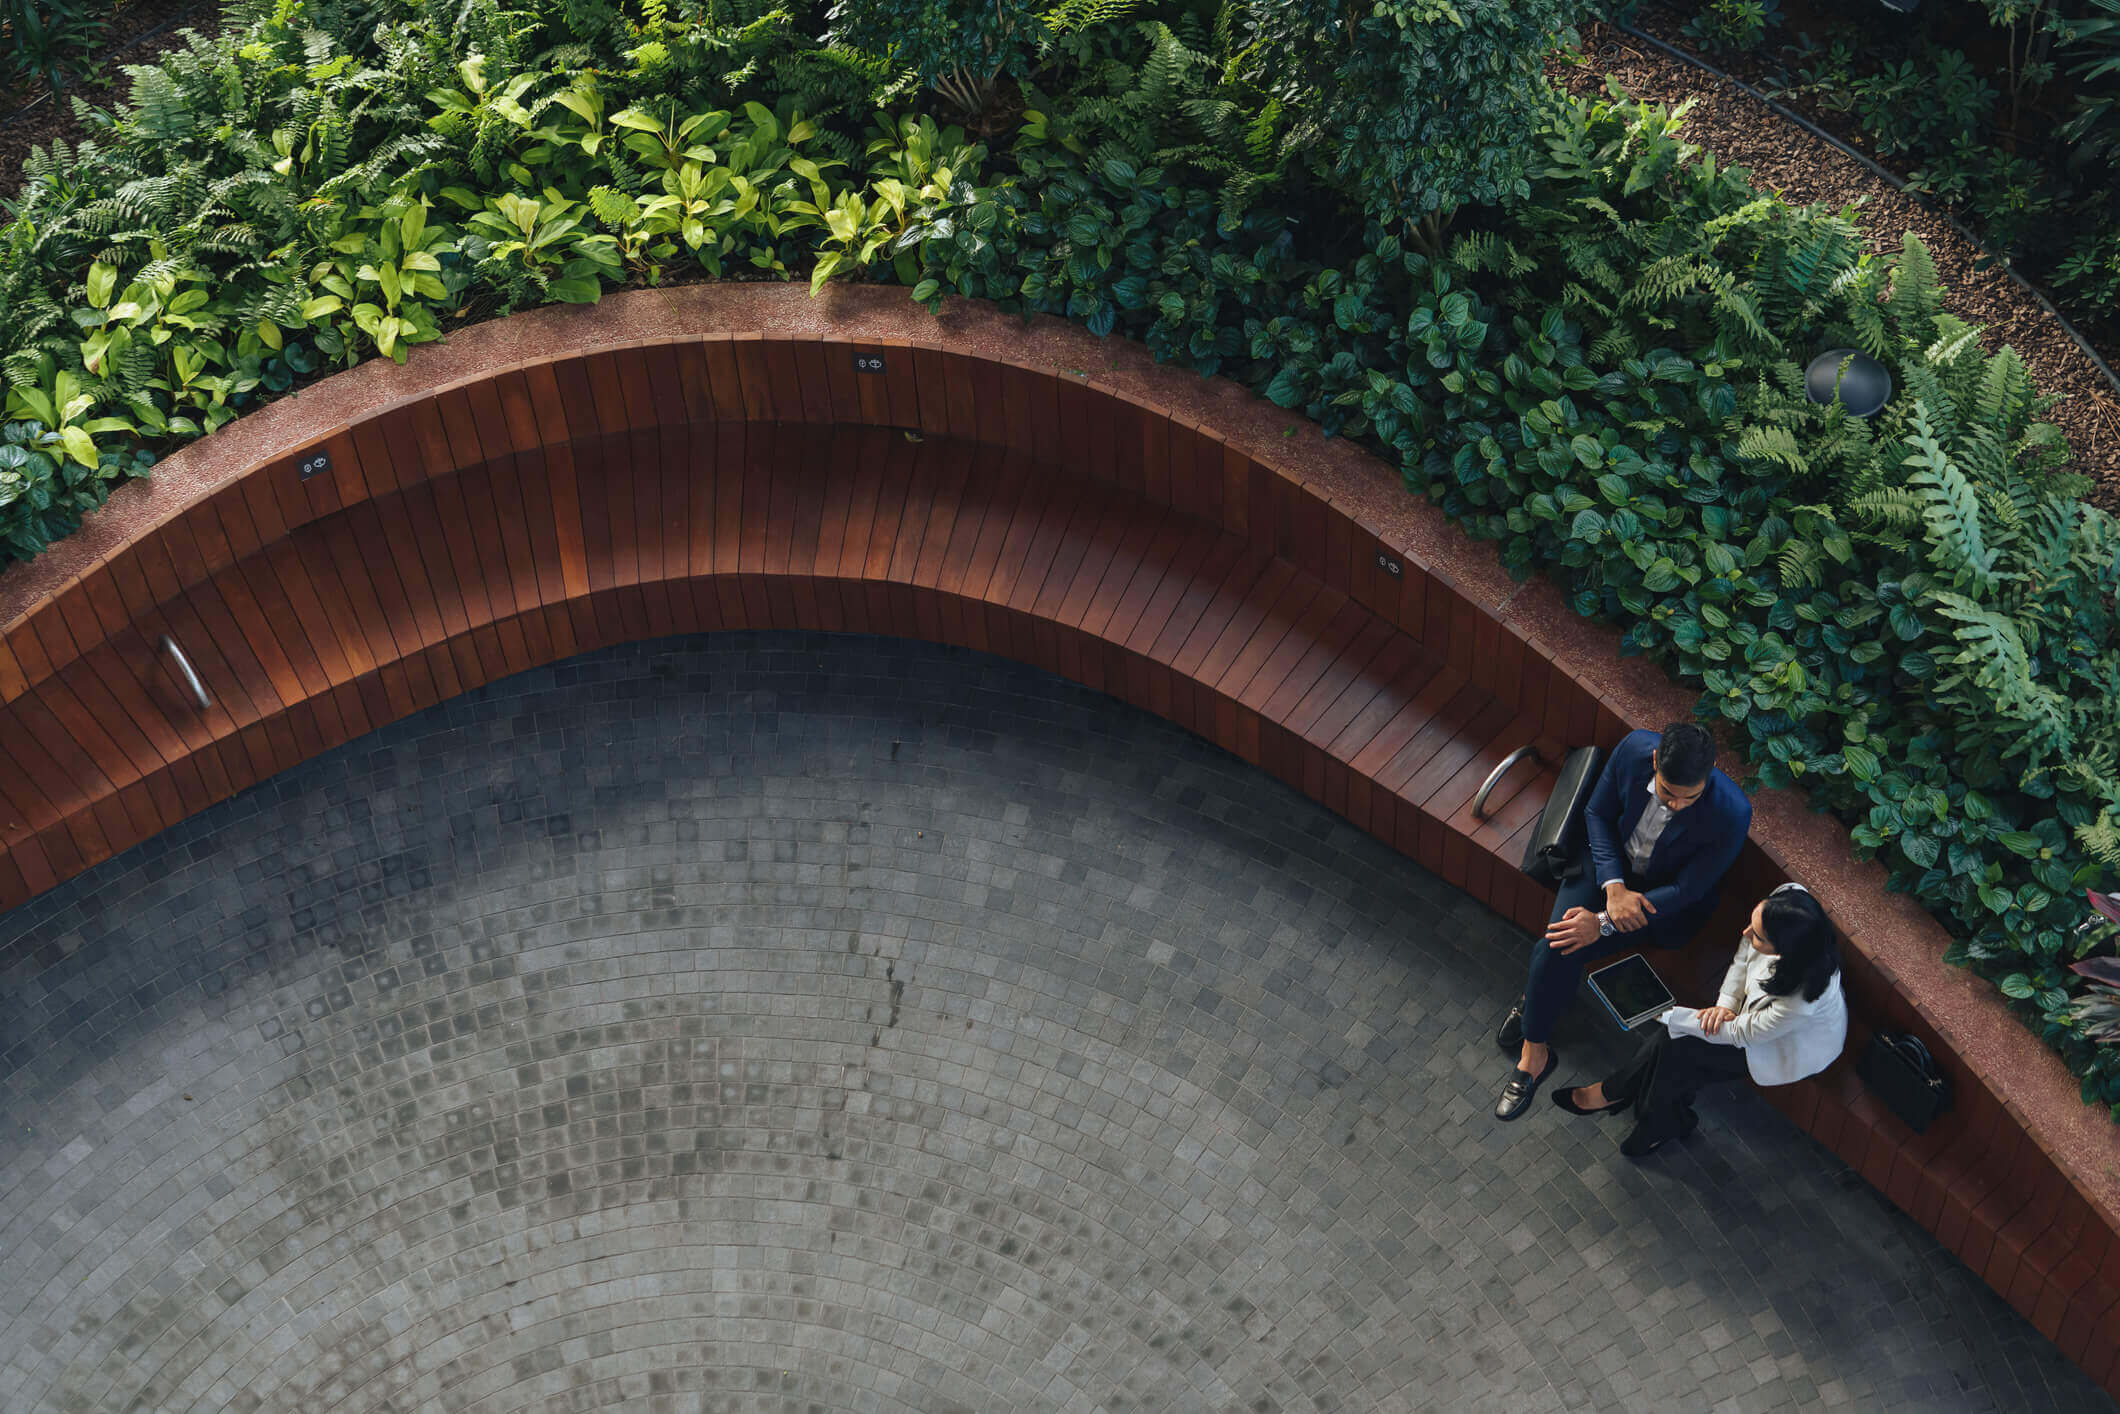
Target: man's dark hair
(1685,754)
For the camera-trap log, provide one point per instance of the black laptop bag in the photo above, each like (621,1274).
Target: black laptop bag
(1549,856)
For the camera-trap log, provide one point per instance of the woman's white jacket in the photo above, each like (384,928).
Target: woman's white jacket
(1785,1038)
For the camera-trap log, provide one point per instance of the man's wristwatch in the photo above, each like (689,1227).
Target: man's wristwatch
(1605,926)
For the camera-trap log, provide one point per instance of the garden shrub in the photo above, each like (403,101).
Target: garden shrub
(1418,107)
(1910,617)
(48,478)
(959,48)
(1734,25)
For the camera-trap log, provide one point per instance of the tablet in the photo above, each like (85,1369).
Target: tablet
(1631,991)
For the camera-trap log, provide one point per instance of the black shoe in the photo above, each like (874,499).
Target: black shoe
(1510,1037)
(1635,1145)
(1638,1145)
(1565,1098)
(1516,1095)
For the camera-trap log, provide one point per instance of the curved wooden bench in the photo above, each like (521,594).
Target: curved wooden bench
(405,596)
(569,479)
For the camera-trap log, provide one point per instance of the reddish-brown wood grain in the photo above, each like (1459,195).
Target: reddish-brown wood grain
(743,481)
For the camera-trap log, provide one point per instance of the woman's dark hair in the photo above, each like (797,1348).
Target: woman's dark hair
(1806,952)
(1685,753)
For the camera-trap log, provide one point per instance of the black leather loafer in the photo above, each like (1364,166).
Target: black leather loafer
(1516,1095)
(1510,1036)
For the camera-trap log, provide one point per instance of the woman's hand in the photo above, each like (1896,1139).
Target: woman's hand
(1712,1018)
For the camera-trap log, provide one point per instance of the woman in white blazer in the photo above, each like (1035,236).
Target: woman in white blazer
(1781,1016)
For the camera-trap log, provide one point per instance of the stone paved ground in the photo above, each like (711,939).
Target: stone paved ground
(783,1023)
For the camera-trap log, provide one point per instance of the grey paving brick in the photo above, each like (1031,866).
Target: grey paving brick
(785,1022)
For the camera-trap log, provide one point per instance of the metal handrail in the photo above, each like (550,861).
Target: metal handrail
(185,670)
(1494,777)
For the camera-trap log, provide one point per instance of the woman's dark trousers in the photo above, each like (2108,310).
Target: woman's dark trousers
(1556,975)
(1665,1075)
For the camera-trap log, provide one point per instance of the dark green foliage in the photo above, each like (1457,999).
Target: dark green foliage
(44,492)
(1416,107)
(1631,232)
(2089,49)
(1154,94)
(959,48)
(1739,26)
(40,39)
(2009,111)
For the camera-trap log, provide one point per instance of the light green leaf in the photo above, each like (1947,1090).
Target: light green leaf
(79,445)
(826,264)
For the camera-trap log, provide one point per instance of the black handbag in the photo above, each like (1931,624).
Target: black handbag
(1549,856)
(1900,1071)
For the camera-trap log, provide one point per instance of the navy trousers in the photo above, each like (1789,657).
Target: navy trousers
(1555,975)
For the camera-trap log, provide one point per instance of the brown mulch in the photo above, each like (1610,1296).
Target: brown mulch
(1784,158)
(32,117)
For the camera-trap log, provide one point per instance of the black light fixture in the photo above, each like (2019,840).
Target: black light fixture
(1862,389)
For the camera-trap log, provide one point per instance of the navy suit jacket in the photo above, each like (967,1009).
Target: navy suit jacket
(1697,847)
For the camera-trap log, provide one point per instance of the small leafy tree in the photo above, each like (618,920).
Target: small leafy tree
(960,48)
(1415,107)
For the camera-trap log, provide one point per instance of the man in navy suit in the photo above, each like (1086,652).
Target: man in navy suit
(1663,826)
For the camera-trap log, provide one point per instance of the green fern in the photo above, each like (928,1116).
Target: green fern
(1995,658)
(2006,395)
(1156,98)
(1948,347)
(1917,295)
(1772,444)
(1951,507)
(1895,507)
(1612,346)
(615,209)
(1801,564)
(1072,16)
(2100,839)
